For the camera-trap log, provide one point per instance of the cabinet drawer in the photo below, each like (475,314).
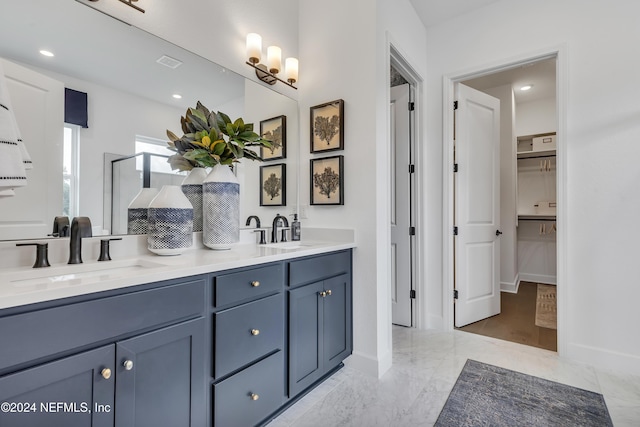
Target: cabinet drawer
(47,332)
(310,270)
(247,332)
(246,285)
(234,403)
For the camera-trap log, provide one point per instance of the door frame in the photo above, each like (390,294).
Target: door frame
(398,60)
(448,97)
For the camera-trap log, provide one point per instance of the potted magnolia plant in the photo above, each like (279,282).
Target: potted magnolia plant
(212,140)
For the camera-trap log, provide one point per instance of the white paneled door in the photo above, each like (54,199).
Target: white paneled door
(400,205)
(477,206)
(38,103)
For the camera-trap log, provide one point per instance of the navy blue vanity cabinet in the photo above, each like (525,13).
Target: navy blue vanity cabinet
(85,382)
(248,345)
(160,377)
(320,317)
(124,358)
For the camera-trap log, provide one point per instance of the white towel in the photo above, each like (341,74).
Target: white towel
(12,167)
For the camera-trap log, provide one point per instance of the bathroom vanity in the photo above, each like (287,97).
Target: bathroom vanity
(230,342)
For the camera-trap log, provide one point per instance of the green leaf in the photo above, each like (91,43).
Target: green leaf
(239,124)
(218,149)
(205,111)
(179,162)
(198,120)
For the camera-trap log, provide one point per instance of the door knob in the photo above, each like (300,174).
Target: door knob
(128,365)
(498,233)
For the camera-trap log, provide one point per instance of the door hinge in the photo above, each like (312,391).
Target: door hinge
(412,231)
(455,294)
(455,231)
(455,167)
(455,105)
(412,168)
(412,294)
(412,106)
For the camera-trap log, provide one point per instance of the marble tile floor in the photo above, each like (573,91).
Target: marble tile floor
(425,367)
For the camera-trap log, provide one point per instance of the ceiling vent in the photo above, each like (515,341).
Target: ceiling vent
(168,61)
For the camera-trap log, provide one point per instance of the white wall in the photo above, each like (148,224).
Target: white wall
(598,310)
(337,62)
(535,117)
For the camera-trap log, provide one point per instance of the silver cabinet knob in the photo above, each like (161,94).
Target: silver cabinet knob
(254,396)
(329,292)
(255,283)
(128,364)
(255,332)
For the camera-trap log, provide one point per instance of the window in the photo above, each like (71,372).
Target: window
(145,144)
(70,171)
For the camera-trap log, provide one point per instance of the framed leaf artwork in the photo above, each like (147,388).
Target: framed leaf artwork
(275,130)
(327,181)
(273,185)
(327,126)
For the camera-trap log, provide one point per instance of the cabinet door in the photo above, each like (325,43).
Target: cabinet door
(161,378)
(336,321)
(305,343)
(71,392)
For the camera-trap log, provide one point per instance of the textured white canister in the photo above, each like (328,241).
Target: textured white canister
(170,230)
(221,208)
(137,211)
(192,188)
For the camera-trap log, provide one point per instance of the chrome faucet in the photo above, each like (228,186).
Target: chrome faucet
(274,227)
(80,227)
(253,217)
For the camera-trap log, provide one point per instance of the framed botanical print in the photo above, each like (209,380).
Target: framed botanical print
(327,181)
(327,126)
(273,185)
(275,130)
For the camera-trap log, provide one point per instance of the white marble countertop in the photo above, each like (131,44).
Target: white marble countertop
(24,285)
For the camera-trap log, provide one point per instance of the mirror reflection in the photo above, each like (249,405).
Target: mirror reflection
(130,78)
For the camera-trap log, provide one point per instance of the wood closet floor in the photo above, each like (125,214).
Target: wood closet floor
(516,322)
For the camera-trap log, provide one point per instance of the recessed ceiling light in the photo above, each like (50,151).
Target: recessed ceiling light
(526,87)
(177,96)
(46,53)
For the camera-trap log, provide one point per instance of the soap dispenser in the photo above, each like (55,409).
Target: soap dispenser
(295,228)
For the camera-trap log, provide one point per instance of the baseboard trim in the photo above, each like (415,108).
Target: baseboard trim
(368,364)
(538,278)
(604,359)
(511,287)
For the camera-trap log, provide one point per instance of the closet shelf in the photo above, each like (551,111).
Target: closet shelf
(536,217)
(536,154)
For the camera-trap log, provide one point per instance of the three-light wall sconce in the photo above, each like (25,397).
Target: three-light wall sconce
(267,72)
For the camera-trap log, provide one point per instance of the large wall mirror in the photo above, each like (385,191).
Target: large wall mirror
(130,77)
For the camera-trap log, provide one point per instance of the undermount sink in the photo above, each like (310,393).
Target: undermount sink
(285,245)
(79,273)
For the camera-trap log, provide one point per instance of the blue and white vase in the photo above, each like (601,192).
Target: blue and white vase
(137,211)
(192,188)
(170,230)
(221,208)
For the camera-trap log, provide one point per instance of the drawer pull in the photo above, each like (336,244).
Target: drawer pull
(329,292)
(128,365)
(106,373)
(255,332)
(255,283)
(254,396)
(322,294)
